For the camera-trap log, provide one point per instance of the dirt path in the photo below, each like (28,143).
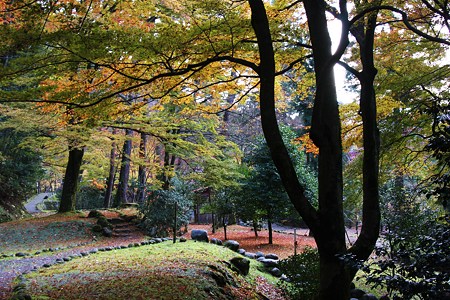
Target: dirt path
(31,206)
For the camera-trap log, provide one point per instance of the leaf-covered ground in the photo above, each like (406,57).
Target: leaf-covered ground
(146,272)
(161,271)
(283,243)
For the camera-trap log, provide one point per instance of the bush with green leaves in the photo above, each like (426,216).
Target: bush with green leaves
(414,270)
(20,169)
(90,197)
(302,272)
(163,207)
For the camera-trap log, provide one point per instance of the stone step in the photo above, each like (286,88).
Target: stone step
(123,230)
(116,221)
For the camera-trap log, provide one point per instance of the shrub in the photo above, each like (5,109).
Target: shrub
(159,210)
(420,269)
(89,197)
(302,272)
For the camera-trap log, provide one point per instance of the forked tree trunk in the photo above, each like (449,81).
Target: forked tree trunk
(327,224)
(71,180)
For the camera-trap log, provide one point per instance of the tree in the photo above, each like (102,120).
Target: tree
(263,194)
(20,167)
(124,175)
(212,43)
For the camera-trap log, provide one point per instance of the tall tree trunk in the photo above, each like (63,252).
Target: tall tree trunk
(364,33)
(142,173)
(328,223)
(335,278)
(71,180)
(124,175)
(111,174)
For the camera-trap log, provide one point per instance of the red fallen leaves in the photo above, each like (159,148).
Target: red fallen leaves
(283,243)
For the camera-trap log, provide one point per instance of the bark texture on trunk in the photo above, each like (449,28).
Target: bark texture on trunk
(71,180)
(327,224)
(364,33)
(111,176)
(124,175)
(142,172)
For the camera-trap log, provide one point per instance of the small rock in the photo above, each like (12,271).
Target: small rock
(356,293)
(21,254)
(67,259)
(369,297)
(199,235)
(271,256)
(107,232)
(231,244)
(94,214)
(95,250)
(269,262)
(46,265)
(242,264)
(250,255)
(259,254)
(241,251)
(182,239)
(37,252)
(275,272)
(216,241)
(84,253)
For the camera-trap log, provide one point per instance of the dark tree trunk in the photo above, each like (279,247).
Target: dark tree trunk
(269,227)
(175,213)
(328,223)
(370,228)
(255,227)
(335,279)
(142,173)
(224,223)
(71,180)
(111,175)
(124,175)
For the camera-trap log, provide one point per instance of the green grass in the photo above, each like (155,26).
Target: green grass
(188,270)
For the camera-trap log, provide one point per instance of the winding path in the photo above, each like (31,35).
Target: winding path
(31,206)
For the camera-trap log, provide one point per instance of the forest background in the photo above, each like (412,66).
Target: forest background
(147,101)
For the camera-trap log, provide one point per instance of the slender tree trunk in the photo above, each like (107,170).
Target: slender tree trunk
(111,175)
(269,227)
(175,223)
(255,227)
(370,228)
(71,180)
(124,175)
(142,173)
(224,223)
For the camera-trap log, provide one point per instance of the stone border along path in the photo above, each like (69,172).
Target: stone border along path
(27,264)
(270,261)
